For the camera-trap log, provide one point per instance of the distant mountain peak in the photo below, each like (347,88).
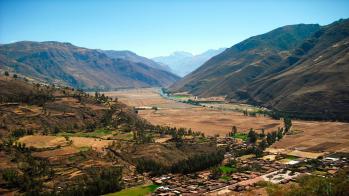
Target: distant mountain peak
(181,53)
(131,56)
(183,63)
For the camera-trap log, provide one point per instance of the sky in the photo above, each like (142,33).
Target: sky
(157,27)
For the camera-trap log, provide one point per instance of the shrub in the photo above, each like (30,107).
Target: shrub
(11,177)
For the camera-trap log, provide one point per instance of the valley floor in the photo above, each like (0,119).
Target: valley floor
(311,136)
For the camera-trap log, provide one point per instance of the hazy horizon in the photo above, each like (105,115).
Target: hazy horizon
(154,28)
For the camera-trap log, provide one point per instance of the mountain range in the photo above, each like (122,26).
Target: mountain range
(182,63)
(297,69)
(66,64)
(133,57)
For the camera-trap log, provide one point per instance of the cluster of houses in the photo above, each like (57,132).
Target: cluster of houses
(277,167)
(202,182)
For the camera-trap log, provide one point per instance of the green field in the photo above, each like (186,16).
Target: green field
(225,178)
(289,157)
(135,191)
(227,170)
(95,134)
(180,96)
(242,136)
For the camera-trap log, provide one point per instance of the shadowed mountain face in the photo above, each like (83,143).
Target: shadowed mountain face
(300,69)
(313,81)
(79,67)
(182,63)
(245,61)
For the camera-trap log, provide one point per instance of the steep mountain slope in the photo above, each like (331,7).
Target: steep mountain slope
(245,61)
(182,63)
(313,82)
(78,67)
(133,57)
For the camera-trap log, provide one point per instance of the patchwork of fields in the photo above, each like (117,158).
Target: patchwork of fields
(310,136)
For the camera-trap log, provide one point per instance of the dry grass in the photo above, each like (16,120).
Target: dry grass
(78,144)
(42,141)
(211,121)
(94,143)
(57,152)
(145,97)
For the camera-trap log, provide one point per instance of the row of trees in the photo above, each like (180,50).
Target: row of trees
(192,164)
(32,98)
(97,181)
(271,113)
(144,133)
(265,140)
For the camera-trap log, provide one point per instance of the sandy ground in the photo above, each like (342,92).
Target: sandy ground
(313,136)
(145,97)
(41,141)
(94,143)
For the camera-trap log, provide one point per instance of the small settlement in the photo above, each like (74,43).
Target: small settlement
(243,173)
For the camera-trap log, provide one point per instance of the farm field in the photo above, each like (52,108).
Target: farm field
(59,146)
(313,136)
(145,97)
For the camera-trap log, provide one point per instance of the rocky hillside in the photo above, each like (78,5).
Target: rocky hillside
(313,81)
(66,64)
(47,109)
(244,61)
(54,136)
(298,69)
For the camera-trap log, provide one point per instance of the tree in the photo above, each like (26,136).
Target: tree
(15,76)
(274,136)
(56,130)
(215,173)
(280,134)
(252,136)
(11,177)
(234,130)
(270,140)
(6,73)
(287,124)
(258,152)
(263,144)
(262,135)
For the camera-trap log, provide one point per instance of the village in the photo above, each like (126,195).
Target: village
(244,173)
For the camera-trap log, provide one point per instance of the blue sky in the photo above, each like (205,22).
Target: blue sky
(153,27)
